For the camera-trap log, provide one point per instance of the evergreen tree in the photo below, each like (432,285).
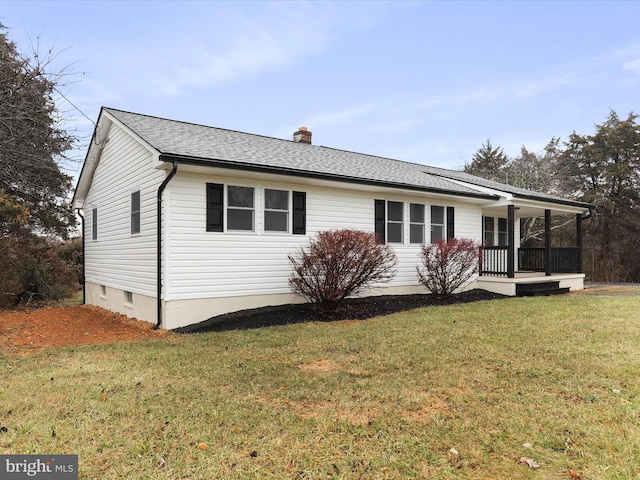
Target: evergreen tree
(32,143)
(604,170)
(488,162)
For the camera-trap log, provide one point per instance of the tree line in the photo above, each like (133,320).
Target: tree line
(602,169)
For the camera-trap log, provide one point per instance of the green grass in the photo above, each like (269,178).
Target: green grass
(553,379)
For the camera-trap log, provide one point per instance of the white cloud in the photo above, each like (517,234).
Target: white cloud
(238,47)
(634,66)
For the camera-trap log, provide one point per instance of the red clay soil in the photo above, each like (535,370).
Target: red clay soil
(30,330)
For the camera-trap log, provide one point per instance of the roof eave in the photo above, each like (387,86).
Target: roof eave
(558,201)
(234,165)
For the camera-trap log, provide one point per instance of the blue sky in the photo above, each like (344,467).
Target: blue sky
(426,82)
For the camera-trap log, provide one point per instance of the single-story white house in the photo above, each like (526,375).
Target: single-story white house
(183,222)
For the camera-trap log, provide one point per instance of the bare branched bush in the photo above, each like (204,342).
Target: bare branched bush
(340,263)
(447,266)
(37,268)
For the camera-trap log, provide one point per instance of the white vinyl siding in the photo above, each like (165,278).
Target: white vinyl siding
(210,265)
(118,259)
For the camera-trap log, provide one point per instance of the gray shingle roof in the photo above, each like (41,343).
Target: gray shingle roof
(189,142)
(502,187)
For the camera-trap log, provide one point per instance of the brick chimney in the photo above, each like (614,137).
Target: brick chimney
(302,136)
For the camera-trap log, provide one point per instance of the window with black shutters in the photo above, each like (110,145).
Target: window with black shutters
(283,211)
(389,221)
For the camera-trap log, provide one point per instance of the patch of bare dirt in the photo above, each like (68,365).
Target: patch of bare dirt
(30,330)
(610,290)
(318,366)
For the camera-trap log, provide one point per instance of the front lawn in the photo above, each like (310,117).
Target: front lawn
(461,391)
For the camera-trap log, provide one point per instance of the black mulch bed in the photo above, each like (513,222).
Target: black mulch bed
(352,308)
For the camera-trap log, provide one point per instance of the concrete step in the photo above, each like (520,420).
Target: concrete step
(539,289)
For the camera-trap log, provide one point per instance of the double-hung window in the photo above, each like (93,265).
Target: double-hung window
(442,223)
(416,223)
(489,231)
(437,224)
(232,208)
(389,221)
(276,210)
(395,222)
(502,232)
(240,208)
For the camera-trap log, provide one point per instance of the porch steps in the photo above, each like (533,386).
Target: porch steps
(539,289)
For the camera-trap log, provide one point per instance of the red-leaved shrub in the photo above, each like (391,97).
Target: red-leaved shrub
(340,263)
(446,266)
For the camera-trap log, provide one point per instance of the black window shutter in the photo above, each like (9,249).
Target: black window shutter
(380,220)
(94,224)
(450,223)
(299,213)
(215,207)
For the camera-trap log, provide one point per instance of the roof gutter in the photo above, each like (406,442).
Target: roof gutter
(163,185)
(558,201)
(84,284)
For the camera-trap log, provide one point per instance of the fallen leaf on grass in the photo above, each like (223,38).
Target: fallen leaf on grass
(574,475)
(529,461)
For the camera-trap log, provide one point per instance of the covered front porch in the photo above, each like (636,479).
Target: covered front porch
(509,269)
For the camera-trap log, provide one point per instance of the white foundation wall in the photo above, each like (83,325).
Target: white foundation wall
(141,307)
